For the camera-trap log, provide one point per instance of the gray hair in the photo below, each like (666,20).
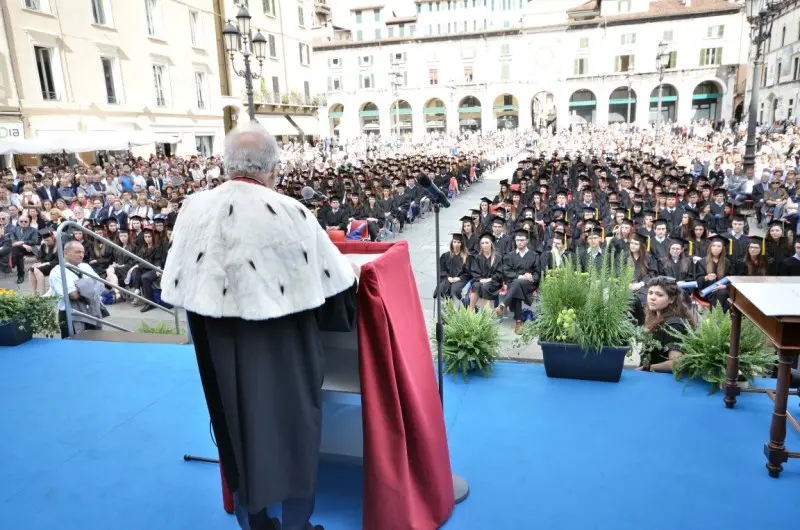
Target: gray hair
(250,151)
(72,245)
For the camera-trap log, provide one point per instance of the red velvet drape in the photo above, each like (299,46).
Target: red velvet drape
(407,478)
(408,483)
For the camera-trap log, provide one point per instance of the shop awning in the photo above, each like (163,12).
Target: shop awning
(308,124)
(84,142)
(277,125)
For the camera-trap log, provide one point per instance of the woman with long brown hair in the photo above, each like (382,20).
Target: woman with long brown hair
(487,276)
(755,261)
(713,268)
(666,313)
(644,268)
(686,228)
(453,269)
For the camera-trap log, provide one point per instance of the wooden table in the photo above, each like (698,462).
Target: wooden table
(772,304)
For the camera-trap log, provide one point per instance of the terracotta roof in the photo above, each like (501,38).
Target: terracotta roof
(662,8)
(591,5)
(401,20)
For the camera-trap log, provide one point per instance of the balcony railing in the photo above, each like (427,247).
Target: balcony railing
(288,98)
(322,6)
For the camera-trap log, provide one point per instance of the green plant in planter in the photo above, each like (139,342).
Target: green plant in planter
(161,328)
(588,308)
(471,341)
(705,351)
(34,312)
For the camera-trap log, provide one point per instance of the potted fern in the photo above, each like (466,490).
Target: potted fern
(471,341)
(705,352)
(583,324)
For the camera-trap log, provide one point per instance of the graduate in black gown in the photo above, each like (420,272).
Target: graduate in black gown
(470,236)
(677,265)
(791,266)
(555,254)
(521,275)
(487,273)
(756,262)
(666,312)
(644,268)
(335,217)
(453,269)
(778,246)
(659,243)
(714,267)
(592,255)
(737,238)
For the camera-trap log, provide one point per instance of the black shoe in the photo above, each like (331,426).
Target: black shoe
(146,308)
(20,279)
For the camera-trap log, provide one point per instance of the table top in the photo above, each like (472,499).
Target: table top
(774,296)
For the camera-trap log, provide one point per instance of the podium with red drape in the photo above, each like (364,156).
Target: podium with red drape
(408,482)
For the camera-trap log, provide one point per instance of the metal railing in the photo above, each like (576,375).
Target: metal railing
(63,266)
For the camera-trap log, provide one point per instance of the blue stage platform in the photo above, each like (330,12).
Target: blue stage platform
(93,436)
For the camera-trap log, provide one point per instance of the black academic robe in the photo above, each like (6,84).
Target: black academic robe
(659,249)
(673,218)
(268,444)
(482,268)
(720,296)
(683,270)
(504,245)
(791,267)
(452,266)
(338,218)
(473,244)
(102,259)
(515,266)
(547,260)
(738,246)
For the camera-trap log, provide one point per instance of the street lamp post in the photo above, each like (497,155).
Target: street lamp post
(629,76)
(394,81)
(239,38)
(760,14)
(662,57)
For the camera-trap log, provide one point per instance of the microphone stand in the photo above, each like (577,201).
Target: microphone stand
(460,485)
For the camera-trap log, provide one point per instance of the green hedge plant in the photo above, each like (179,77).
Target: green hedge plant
(34,312)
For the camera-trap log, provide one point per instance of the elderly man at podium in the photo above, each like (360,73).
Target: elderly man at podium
(259,280)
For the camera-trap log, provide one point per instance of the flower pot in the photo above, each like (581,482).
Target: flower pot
(11,334)
(570,361)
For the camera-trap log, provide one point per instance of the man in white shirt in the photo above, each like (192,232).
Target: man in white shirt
(73,254)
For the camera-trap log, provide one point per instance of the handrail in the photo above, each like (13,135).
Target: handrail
(63,267)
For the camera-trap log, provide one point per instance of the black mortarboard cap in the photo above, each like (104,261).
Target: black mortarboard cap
(487,200)
(738,217)
(46,231)
(498,219)
(489,236)
(595,231)
(641,238)
(466,219)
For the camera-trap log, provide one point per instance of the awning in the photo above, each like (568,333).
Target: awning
(308,124)
(84,142)
(277,125)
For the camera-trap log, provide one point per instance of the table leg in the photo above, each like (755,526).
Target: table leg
(732,372)
(775,451)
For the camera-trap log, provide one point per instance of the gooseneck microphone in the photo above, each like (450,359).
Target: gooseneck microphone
(309,193)
(434,191)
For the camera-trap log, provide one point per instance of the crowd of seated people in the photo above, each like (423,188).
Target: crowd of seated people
(674,216)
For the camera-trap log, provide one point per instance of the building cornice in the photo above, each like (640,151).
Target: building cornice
(640,18)
(617,20)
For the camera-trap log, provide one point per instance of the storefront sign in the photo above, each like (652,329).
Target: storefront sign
(11,131)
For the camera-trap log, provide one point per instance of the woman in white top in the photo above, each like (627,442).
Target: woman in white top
(141,208)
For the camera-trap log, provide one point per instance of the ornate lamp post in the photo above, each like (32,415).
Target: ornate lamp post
(629,77)
(239,38)
(662,60)
(760,15)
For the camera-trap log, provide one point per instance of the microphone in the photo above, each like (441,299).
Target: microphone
(309,193)
(437,195)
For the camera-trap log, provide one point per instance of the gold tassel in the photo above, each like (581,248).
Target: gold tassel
(629,213)
(763,246)
(656,215)
(566,218)
(648,243)
(730,247)
(565,240)
(691,248)
(596,214)
(603,233)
